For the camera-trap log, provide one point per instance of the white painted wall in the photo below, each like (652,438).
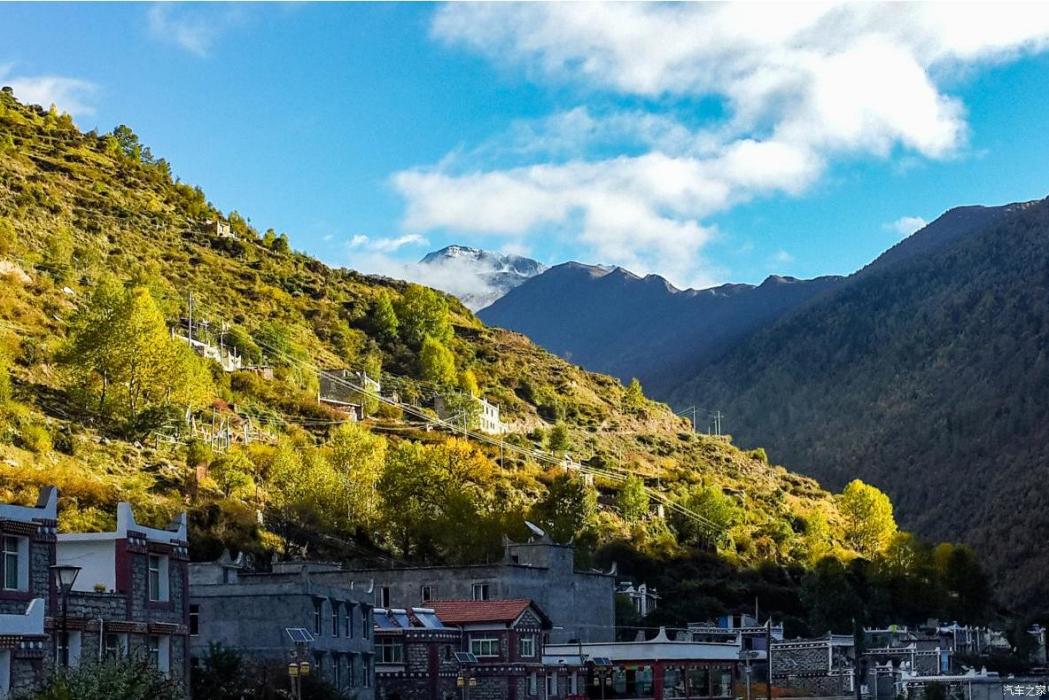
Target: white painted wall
(96,559)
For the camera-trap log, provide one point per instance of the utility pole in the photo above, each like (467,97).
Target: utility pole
(191,317)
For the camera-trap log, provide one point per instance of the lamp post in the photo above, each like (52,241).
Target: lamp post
(65,576)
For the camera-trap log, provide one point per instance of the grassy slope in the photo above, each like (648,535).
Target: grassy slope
(126,218)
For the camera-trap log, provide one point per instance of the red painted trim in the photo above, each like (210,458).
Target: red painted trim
(122,559)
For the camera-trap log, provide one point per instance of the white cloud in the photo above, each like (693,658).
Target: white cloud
(191,27)
(802,85)
(906,225)
(71,95)
(781,257)
(385,245)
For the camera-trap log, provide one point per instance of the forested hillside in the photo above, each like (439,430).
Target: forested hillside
(926,374)
(100,250)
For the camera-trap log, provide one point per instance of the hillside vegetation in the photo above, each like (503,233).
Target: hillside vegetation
(927,375)
(100,250)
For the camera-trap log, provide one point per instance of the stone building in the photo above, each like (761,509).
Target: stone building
(817,667)
(581,604)
(131,595)
(253,613)
(488,420)
(505,639)
(415,655)
(27,550)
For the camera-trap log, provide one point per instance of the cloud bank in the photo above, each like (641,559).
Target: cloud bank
(800,87)
(71,95)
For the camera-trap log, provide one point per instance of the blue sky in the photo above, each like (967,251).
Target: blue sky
(705,143)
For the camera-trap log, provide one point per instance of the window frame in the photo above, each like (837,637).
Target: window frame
(194,620)
(334,618)
(15,550)
(521,641)
(482,587)
(318,617)
(387,643)
(157,590)
(489,640)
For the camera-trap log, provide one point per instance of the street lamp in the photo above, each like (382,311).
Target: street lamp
(65,576)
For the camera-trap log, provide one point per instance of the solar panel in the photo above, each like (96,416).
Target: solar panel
(602,661)
(465,657)
(299,635)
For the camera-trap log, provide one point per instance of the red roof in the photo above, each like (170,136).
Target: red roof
(465,612)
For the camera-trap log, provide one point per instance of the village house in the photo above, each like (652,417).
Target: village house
(642,598)
(27,551)
(415,655)
(218,227)
(226,357)
(487,419)
(657,668)
(580,603)
(130,597)
(269,616)
(503,642)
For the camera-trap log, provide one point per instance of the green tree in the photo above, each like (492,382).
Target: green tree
(830,596)
(462,409)
(717,514)
(240,340)
(567,509)
(233,474)
(58,254)
(869,523)
(436,363)
(632,500)
(121,356)
(558,440)
(468,382)
(421,313)
(358,456)
(384,321)
(634,398)
(126,679)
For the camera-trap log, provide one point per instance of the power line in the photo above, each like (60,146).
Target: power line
(535,454)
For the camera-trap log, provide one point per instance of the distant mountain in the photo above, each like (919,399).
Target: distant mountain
(611,320)
(478,277)
(926,374)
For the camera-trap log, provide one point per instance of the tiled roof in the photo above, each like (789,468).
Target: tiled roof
(462,612)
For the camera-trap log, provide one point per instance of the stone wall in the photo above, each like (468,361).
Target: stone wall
(581,604)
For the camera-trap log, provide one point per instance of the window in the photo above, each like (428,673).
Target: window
(336,671)
(72,640)
(349,620)
(551,685)
(317,617)
(366,622)
(369,670)
(390,650)
(158,578)
(156,652)
(527,646)
(351,669)
(427,593)
(533,684)
(16,575)
(116,645)
(384,597)
(480,591)
(318,663)
(194,620)
(484,646)
(335,618)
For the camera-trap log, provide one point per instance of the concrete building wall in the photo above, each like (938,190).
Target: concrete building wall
(581,604)
(96,559)
(251,615)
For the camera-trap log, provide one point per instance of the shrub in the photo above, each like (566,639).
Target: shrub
(128,679)
(35,438)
